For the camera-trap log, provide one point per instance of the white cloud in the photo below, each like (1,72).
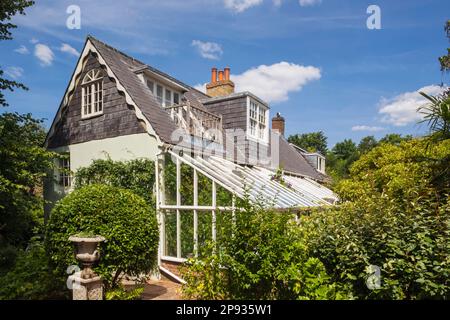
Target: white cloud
(239,6)
(69,49)
(14,72)
(34,41)
(208,50)
(201,87)
(307,3)
(402,109)
(44,54)
(277,3)
(273,83)
(367,128)
(22,50)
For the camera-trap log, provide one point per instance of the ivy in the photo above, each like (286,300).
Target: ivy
(137,176)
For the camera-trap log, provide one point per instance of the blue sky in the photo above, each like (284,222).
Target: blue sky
(315,62)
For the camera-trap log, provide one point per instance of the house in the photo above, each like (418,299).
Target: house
(118,107)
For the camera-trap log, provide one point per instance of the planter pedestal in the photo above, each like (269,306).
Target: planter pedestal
(86,289)
(86,285)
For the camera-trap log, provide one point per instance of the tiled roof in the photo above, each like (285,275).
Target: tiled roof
(123,67)
(291,160)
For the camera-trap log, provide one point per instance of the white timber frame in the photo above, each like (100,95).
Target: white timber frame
(255,183)
(161,205)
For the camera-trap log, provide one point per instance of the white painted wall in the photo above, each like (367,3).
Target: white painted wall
(122,148)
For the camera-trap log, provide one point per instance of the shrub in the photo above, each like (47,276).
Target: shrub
(396,217)
(122,294)
(126,221)
(30,278)
(135,175)
(260,259)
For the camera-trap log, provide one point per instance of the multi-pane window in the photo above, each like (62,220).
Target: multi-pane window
(151,86)
(165,96)
(65,179)
(176,98)
(168,98)
(257,121)
(159,93)
(262,123)
(92,93)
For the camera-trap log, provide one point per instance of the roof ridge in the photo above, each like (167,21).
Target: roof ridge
(147,66)
(115,49)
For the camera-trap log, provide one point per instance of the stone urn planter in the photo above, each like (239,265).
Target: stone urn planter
(87,253)
(88,285)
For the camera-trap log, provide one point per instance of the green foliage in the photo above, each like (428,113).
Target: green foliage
(395,138)
(262,258)
(345,153)
(445,60)
(23,165)
(366,144)
(122,294)
(393,216)
(31,278)
(344,149)
(135,175)
(401,172)
(8,9)
(126,221)
(437,115)
(312,142)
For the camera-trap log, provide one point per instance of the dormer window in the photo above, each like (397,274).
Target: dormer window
(257,122)
(92,94)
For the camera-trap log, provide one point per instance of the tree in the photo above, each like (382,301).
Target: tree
(437,115)
(23,165)
(8,9)
(312,142)
(445,60)
(395,138)
(345,149)
(366,144)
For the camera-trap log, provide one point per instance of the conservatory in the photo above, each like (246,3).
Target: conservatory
(195,195)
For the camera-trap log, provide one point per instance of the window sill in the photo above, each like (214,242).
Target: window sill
(173,259)
(260,141)
(92,116)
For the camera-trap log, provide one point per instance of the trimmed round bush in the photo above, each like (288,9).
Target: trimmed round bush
(126,221)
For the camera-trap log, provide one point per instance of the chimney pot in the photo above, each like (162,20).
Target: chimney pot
(220,85)
(227,73)
(213,75)
(278,124)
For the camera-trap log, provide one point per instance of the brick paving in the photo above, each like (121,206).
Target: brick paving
(163,289)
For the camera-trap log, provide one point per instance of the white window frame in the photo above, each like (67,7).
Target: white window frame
(164,102)
(93,84)
(257,118)
(152,86)
(64,177)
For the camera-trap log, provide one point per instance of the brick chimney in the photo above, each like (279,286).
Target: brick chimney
(220,84)
(278,124)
